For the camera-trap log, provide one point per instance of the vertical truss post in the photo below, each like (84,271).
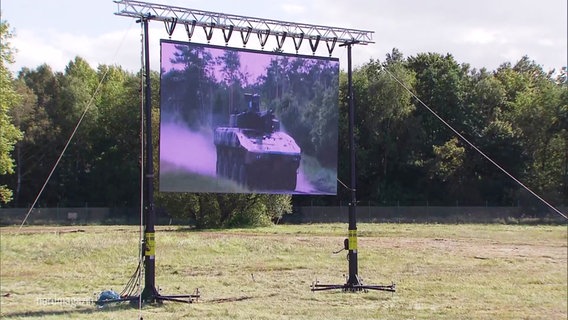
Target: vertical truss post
(353,283)
(353,279)
(149,293)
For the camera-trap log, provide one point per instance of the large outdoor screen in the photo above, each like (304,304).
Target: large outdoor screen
(243,121)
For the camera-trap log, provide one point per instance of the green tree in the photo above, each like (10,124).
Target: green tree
(233,79)
(209,210)
(33,121)
(303,94)
(535,107)
(448,167)
(440,84)
(78,85)
(480,181)
(101,163)
(383,139)
(113,170)
(9,134)
(191,87)
(40,152)
(471,103)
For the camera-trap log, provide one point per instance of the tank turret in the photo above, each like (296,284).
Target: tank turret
(254,152)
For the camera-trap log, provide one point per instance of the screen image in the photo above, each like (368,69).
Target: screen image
(244,121)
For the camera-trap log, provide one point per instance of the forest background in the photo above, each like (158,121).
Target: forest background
(516,114)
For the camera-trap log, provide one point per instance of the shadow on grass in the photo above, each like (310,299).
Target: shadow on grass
(186,228)
(75,311)
(111,308)
(237,299)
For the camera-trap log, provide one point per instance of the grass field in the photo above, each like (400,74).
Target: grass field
(441,272)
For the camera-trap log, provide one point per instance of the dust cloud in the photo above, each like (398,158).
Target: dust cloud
(190,150)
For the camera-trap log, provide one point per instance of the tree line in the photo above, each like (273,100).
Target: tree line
(517,115)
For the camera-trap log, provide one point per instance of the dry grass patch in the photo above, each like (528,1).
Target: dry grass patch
(441,272)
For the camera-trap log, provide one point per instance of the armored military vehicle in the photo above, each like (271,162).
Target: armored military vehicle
(254,152)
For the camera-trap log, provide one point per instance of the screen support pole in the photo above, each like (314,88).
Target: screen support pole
(353,283)
(150,294)
(353,279)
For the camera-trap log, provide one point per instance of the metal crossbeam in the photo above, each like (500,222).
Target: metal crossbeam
(246,25)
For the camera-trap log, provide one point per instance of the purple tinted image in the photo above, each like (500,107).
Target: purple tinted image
(241,121)
(187,150)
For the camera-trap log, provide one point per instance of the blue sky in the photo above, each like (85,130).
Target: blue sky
(483,33)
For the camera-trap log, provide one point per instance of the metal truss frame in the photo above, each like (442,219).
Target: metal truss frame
(228,23)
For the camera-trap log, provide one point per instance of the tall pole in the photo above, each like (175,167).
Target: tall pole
(353,283)
(352,230)
(149,293)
